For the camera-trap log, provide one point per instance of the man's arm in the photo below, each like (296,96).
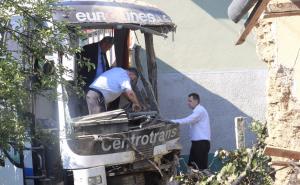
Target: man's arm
(191,119)
(132,97)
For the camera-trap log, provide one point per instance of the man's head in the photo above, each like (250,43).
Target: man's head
(133,74)
(106,43)
(193,100)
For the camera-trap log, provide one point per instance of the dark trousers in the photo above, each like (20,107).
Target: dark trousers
(114,105)
(95,101)
(199,154)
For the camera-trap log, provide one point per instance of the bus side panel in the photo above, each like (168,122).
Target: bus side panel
(10,174)
(28,167)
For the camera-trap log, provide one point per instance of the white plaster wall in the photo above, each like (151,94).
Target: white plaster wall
(288,47)
(204,39)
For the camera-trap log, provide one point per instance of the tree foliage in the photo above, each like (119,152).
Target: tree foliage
(27,35)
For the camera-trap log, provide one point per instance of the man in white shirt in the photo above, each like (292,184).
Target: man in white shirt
(199,132)
(109,86)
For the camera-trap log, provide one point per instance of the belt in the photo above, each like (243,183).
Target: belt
(96,90)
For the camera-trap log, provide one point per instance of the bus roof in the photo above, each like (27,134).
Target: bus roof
(105,14)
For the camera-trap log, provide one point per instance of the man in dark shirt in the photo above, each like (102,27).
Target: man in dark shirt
(96,53)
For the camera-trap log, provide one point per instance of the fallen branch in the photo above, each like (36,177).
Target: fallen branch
(248,167)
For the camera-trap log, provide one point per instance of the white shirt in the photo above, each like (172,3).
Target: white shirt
(112,83)
(199,124)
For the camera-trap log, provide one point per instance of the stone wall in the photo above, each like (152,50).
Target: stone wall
(283,106)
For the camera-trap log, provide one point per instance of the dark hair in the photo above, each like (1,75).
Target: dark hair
(108,40)
(195,96)
(133,70)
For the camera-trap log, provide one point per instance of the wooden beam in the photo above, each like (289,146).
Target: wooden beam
(282,152)
(284,163)
(239,126)
(279,163)
(283,7)
(252,20)
(281,14)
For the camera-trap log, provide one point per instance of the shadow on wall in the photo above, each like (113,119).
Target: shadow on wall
(215,8)
(173,88)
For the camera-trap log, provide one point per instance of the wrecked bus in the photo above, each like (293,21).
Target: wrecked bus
(114,147)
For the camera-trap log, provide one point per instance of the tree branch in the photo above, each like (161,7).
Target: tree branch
(248,167)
